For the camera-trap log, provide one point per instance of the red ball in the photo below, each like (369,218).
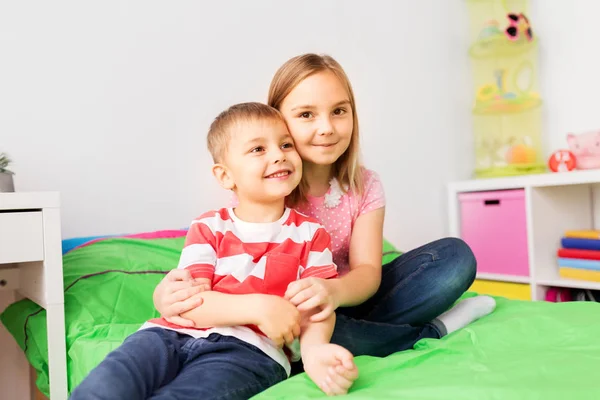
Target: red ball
(562,161)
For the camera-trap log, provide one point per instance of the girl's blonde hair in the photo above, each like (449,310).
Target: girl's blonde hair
(347,169)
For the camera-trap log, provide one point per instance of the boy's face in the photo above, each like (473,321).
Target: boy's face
(261,163)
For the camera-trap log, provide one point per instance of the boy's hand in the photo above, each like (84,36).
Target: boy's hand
(331,368)
(174,295)
(279,320)
(309,293)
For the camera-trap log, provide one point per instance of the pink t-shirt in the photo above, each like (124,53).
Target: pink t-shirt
(339,220)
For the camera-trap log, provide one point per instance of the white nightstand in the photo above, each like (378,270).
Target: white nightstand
(31,264)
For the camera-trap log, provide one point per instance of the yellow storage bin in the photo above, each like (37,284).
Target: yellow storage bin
(515,291)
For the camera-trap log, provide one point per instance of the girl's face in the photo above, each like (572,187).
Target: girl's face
(319,117)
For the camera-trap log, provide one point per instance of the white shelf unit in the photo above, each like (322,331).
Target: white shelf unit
(503,278)
(554,203)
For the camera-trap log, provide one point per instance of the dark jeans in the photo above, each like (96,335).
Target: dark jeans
(158,363)
(415,288)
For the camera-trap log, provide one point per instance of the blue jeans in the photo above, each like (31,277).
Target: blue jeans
(415,288)
(158,363)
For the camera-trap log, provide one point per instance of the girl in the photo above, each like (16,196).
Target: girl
(379,309)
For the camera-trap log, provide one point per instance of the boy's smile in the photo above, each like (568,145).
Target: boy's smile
(279,174)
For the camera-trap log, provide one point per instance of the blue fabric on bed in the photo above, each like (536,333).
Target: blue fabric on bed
(70,244)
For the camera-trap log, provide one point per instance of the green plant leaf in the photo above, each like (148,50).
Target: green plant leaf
(5,161)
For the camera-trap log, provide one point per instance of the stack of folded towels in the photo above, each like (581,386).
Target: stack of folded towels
(579,257)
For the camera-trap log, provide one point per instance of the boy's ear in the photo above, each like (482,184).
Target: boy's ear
(223,175)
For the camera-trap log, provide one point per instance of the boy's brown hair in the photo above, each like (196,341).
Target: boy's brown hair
(219,133)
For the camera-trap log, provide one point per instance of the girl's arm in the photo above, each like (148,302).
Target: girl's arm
(364,277)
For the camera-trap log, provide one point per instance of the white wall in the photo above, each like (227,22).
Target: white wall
(108,102)
(569,67)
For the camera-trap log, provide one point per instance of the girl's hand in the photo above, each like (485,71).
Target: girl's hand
(309,293)
(174,295)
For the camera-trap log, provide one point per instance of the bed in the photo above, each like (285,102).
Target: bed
(524,350)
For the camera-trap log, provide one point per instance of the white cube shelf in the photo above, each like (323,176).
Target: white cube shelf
(554,203)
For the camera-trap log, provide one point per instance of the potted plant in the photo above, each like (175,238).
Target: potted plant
(6,175)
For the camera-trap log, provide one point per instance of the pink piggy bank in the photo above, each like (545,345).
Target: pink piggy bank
(586,148)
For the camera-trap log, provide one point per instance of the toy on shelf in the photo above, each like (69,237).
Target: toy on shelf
(515,151)
(558,295)
(521,153)
(586,148)
(562,161)
(518,28)
(495,99)
(491,41)
(507,119)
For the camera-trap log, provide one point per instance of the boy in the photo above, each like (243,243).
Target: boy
(245,331)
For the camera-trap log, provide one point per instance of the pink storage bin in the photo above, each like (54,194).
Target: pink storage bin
(494,225)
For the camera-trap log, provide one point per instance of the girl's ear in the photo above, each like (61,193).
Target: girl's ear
(224,177)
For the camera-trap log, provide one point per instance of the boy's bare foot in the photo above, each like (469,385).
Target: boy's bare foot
(331,368)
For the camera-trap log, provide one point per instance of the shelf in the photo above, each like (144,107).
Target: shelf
(503,278)
(499,46)
(570,283)
(533,180)
(506,107)
(553,203)
(510,170)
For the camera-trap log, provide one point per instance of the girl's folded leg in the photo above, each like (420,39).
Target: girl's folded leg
(379,339)
(421,284)
(416,289)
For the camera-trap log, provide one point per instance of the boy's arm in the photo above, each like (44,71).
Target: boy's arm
(329,366)
(276,317)
(199,255)
(222,309)
(315,333)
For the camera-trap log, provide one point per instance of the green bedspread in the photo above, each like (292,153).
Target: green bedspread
(523,351)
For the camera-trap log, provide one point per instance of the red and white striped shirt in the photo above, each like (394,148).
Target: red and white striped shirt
(243,258)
